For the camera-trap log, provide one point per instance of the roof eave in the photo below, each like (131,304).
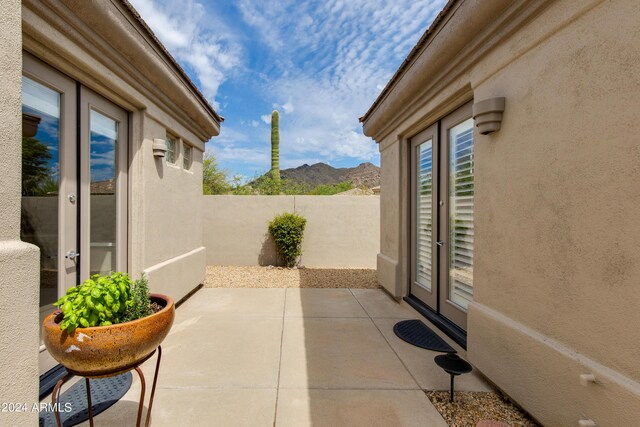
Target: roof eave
(187,80)
(458,28)
(408,61)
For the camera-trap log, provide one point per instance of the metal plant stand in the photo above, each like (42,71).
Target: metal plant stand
(454,366)
(55,396)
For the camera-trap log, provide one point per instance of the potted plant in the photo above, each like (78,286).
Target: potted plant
(107,324)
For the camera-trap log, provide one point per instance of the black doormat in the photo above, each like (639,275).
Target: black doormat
(417,333)
(105,392)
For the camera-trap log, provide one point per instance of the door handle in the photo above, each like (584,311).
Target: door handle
(72,255)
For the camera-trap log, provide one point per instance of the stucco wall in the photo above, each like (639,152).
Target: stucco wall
(557,198)
(342,231)
(173,243)
(103,47)
(11,123)
(19,274)
(557,217)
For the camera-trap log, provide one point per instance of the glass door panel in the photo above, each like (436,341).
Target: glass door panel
(49,178)
(103,143)
(460,290)
(103,185)
(41,181)
(456,226)
(423,216)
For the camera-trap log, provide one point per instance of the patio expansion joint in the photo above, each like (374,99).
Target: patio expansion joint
(417,388)
(359,303)
(275,409)
(388,343)
(327,317)
(206,387)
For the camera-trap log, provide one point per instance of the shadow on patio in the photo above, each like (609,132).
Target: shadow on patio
(291,357)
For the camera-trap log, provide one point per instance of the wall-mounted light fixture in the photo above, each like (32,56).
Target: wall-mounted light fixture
(488,115)
(159,147)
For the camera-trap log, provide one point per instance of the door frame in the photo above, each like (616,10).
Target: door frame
(431,133)
(442,312)
(448,309)
(68,185)
(90,100)
(72,219)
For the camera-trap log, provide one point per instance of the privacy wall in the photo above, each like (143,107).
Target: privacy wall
(342,231)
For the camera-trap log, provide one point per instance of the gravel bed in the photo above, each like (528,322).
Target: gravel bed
(471,407)
(281,277)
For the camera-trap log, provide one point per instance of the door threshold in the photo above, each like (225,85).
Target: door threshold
(453,331)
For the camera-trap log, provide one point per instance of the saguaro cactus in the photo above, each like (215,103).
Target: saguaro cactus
(275,145)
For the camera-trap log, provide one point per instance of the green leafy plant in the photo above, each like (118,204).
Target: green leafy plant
(140,300)
(214,179)
(287,231)
(99,301)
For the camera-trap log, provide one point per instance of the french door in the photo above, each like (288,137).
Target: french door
(442,194)
(74,180)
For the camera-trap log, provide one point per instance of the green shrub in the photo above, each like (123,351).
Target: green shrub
(331,189)
(140,300)
(99,301)
(266,185)
(287,231)
(214,179)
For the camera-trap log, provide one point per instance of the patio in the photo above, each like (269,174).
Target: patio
(291,357)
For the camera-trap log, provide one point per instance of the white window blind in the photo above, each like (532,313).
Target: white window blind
(461,190)
(424,223)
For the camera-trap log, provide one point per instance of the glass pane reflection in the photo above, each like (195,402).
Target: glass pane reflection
(40,181)
(103,147)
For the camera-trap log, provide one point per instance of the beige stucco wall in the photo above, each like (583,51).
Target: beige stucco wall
(341,231)
(173,253)
(19,270)
(100,45)
(557,260)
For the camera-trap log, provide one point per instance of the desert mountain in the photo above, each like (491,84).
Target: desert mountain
(364,175)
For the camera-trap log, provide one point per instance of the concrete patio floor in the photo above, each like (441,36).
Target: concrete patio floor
(291,357)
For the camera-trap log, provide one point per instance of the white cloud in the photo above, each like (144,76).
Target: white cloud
(288,107)
(197,40)
(252,156)
(331,60)
(321,63)
(229,136)
(236,147)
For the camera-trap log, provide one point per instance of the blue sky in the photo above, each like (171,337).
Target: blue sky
(320,63)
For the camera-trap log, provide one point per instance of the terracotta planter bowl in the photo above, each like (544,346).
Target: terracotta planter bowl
(103,350)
